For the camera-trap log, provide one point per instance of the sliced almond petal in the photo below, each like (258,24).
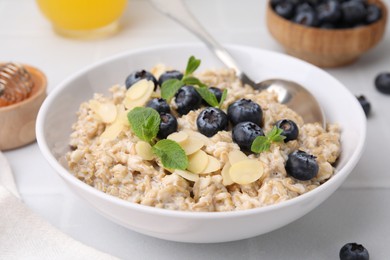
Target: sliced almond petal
(197,162)
(112,131)
(246,171)
(213,165)
(236,156)
(226,180)
(178,137)
(187,175)
(144,150)
(192,145)
(107,112)
(132,103)
(198,135)
(137,90)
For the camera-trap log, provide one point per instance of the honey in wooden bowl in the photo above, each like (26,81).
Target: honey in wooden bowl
(18,111)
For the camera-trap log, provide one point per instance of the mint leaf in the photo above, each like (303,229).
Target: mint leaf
(193,81)
(223,97)
(260,144)
(192,64)
(263,143)
(145,123)
(171,154)
(169,88)
(208,96)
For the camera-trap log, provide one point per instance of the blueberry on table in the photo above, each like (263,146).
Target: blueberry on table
(211,120)
(365,104)
(170,74)
(329,12)
(244,110)
(290,129)
(285,9)
(187,99)
(137,76)
(301,165)
(353,251)
(374,13)
(353,12)
(168,125)
(245,133)
(382,82)
(159,104)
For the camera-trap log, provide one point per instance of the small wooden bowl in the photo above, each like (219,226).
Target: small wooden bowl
(17,121)
(324,47)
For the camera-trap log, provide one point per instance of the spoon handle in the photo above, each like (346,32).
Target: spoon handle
(177,10)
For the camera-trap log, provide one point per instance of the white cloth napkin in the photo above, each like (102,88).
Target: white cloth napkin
(24,235)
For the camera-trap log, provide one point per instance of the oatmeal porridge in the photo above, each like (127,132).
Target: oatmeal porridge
(211,144)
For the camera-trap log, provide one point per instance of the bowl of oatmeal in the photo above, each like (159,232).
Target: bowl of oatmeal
(177,148)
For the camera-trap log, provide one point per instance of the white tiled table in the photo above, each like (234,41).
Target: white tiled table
(358,211)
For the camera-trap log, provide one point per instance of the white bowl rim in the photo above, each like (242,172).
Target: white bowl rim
(64,173)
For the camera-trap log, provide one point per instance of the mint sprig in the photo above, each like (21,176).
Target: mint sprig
(170,87)
(171,154)
(263,143)
(145,123)
(192,64)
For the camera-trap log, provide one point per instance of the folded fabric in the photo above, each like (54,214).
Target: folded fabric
(25,235)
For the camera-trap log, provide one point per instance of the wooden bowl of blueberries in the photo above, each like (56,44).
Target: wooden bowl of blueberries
(327,33)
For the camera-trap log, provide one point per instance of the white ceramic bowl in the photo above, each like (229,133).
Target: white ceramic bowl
(58,113)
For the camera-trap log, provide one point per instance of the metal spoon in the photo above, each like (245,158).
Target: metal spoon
(289,93)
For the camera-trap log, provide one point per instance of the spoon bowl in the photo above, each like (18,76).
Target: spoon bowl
(289,93)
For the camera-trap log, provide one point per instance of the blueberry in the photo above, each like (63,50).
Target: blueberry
(159,104)
(301,165)
(329,12)
(365,104)
(374,13)
(285,9)
(327,26)
(353,12)
(211,120)
(290,129)
(353,251)
(137,76)
(304,7)
(245,133)
(307,18)
(187,99)
(275,2)
(171,74)
(382,82)
(245,110)
(168,125)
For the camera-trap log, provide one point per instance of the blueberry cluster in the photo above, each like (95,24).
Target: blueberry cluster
(328,14)
(244,116)
(168,123)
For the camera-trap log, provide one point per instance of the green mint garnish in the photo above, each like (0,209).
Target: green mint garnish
(263,143)
(192,65)
(145,122)
(170,87)
(171,154)
(208,96)
(193,81)
(223,97)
